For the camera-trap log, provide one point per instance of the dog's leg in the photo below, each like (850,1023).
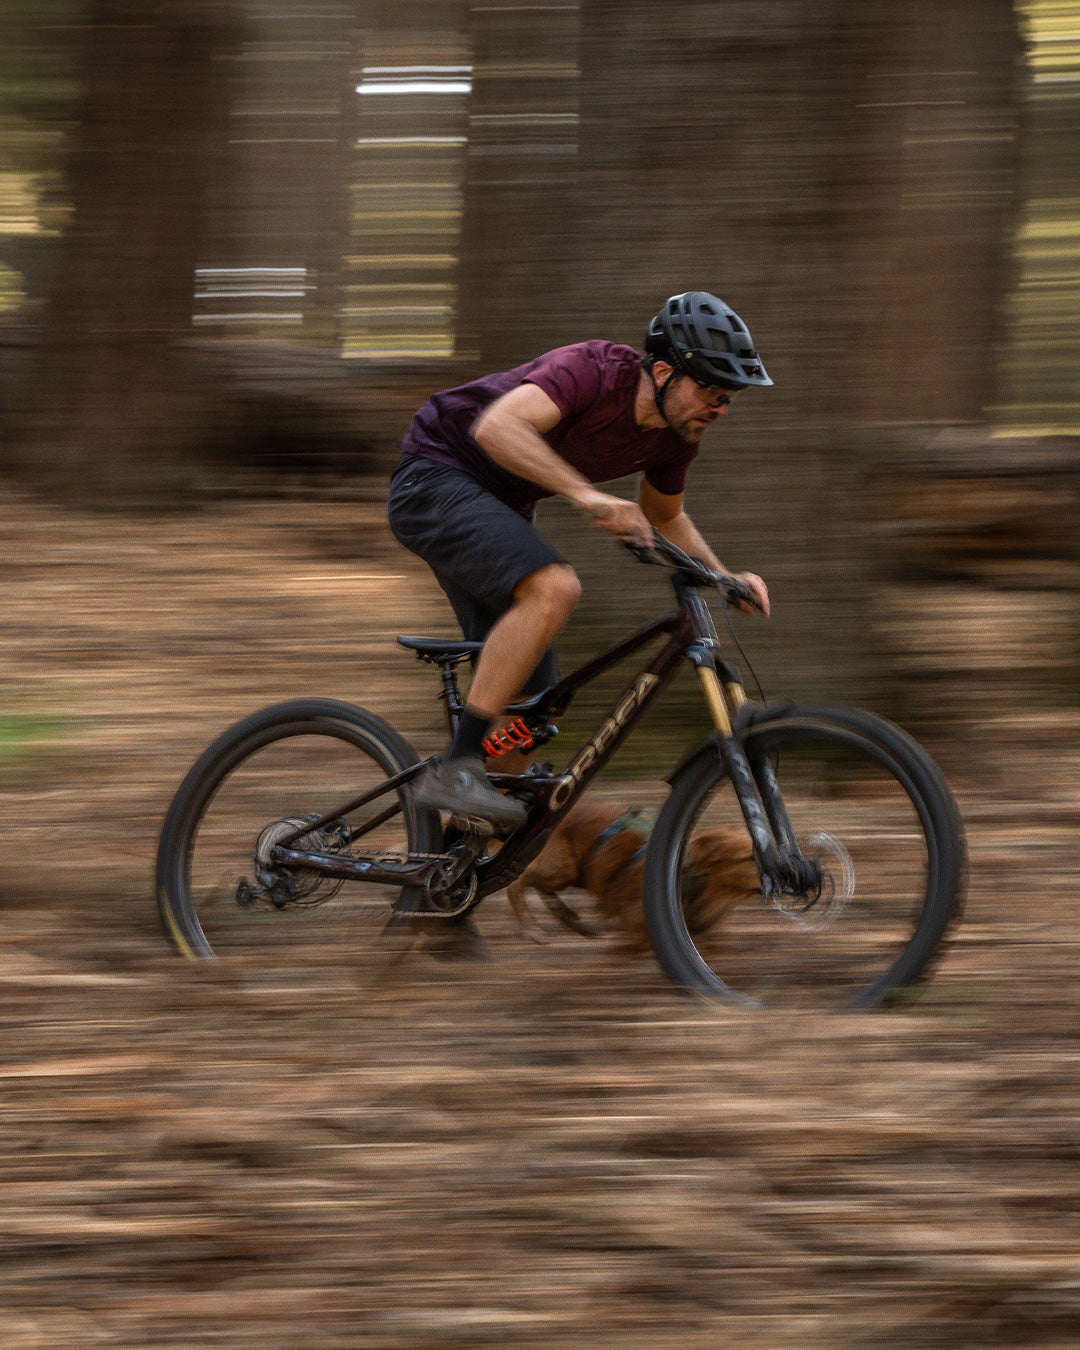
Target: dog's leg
(516,893)
(567,915)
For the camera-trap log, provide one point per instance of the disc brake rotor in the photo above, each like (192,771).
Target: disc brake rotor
(837,870)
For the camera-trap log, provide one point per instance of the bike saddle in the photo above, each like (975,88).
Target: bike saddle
(440,649)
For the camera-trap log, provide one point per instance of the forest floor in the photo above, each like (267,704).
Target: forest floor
(553,1149)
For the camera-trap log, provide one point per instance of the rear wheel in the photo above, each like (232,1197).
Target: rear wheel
(881,878)
(219,888)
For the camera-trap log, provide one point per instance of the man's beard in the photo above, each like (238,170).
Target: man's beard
(687,431)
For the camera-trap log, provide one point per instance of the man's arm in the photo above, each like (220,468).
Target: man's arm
(667,514)
(512,430)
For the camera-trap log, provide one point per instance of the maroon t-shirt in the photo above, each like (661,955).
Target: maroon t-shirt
(594,385)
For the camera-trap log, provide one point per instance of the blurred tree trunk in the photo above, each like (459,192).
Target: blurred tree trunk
(933,94)
(115,394)
(519,269)
(846,173)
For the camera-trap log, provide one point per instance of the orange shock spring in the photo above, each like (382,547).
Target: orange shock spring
(516,735)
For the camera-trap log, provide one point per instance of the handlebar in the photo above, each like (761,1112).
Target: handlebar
(663,553)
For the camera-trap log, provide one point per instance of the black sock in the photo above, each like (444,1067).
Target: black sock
(468,739)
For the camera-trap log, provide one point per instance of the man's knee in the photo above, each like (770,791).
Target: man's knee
(556,588)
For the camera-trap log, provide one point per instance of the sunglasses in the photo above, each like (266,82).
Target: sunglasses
(715,395)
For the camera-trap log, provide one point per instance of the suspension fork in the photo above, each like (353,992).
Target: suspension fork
(752,777)
(724,695)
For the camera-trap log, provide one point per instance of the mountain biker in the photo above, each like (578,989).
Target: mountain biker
(476,460)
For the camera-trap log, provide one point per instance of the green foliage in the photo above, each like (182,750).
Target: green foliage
(11,289)
(37,92)
(25,739)
(36,79)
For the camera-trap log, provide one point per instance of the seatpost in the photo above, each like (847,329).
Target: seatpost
(451,695)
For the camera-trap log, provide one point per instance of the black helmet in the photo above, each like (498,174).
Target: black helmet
(700,336)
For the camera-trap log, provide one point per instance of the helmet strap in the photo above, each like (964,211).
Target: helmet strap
(660,390)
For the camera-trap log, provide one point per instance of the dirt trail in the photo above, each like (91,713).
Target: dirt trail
(552,1150)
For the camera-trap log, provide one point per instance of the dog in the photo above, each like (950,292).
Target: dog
(599,847)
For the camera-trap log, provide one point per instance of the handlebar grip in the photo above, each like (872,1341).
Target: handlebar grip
(736,591)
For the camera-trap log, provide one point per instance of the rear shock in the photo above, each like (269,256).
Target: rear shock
(517,735)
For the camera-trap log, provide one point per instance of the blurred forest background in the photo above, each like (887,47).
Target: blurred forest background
(241,240)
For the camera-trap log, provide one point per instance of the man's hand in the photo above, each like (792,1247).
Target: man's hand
(625,520)
(755,583)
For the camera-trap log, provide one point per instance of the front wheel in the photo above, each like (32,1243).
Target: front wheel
(876,881)
(219,889)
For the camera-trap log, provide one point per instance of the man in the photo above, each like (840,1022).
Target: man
(478,458)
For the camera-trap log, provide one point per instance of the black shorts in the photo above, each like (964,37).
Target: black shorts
(478,547)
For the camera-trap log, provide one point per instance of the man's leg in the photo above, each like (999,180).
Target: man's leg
(508,586)
(543,601)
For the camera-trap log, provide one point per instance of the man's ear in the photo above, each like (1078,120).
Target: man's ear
(661,371)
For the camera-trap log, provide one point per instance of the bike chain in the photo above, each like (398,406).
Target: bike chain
(260,894)
(440,911)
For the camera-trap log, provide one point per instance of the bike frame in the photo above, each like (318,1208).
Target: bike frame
(691,635)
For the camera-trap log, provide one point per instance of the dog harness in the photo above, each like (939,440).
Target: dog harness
(619,826)
(692,882)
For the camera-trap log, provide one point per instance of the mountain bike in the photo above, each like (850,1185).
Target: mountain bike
(305,808)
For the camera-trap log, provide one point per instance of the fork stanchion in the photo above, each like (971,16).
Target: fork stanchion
(714,697)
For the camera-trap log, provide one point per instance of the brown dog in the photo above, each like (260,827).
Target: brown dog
(599,848)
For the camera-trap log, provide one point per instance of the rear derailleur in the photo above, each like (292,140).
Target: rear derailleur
(278,888)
